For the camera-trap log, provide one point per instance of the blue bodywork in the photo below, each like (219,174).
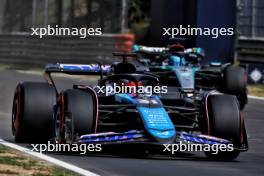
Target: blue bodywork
(157,124)
(112,136)
(83,68)
(155,118)
(88,67)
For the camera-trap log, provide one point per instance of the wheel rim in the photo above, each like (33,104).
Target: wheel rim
(68,129)
(57,125)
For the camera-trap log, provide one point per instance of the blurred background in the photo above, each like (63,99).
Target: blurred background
(125,22)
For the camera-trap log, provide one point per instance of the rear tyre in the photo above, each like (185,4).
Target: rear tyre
(32,113)
(77,115)
(234,79)
(225,122)
(235,83)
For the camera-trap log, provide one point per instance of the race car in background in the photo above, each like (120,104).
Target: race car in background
(177,66)
(84,115)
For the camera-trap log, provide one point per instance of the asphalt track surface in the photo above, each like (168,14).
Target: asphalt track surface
(248,163)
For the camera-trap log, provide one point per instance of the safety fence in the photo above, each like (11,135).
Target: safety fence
(26,49)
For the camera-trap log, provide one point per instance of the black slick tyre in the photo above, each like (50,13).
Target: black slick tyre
(224,122)
(32,112)
(77,115)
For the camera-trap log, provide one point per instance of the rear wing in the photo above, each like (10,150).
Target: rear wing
(157,50)
(148,49)
(80,69)
(75,69)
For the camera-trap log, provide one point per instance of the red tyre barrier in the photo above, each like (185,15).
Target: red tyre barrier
(124,42)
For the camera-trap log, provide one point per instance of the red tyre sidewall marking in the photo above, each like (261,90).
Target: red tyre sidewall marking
(245,78)
(241,128)
(17,124)
(62,117)
(207,114)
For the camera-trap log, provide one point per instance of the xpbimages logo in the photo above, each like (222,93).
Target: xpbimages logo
(197,31)
(128,89)
(63,31)
(54,147)
(195,147)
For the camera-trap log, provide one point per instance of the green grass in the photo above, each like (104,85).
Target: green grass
(62,172)
(11,159)
(4,67)
(57,172)
(256,90)
(3,149)
(18,161)
(8,172)
(20,67)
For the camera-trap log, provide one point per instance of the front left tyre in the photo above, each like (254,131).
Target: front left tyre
(32,112)
(225,121)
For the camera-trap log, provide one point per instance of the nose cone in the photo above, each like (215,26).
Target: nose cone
(157,123)
(163,136)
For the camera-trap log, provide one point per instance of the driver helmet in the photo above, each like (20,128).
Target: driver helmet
(176,47)
(128,83)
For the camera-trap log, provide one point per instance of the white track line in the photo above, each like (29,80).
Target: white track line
(255,97)
(60,163)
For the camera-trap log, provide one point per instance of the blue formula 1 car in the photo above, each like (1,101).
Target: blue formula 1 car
(179,67)
(86,114)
